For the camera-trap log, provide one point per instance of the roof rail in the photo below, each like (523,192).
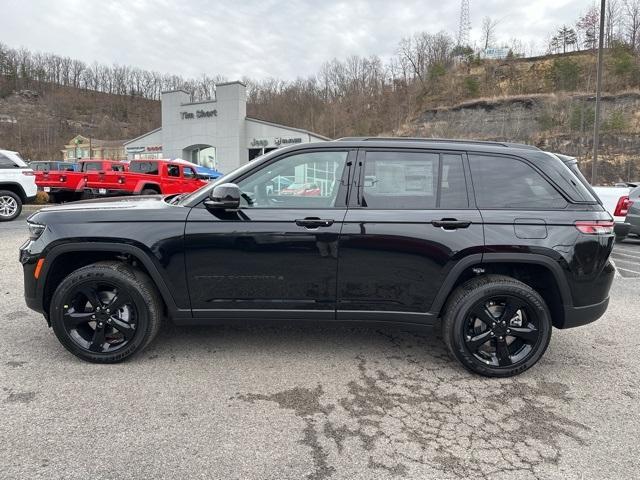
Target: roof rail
(438,140)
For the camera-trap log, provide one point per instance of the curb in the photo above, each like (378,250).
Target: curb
(34,208)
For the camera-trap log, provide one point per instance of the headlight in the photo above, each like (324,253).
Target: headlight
(35,230)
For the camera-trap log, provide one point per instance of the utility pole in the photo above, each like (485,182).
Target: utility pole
(596,123)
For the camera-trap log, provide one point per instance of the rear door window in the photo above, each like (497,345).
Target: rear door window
(92,166)
(150,168)
(508,183)
(413,180)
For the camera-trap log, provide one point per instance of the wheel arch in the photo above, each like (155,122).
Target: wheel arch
(145,184)
(540,272)
(16,188)
(63,259)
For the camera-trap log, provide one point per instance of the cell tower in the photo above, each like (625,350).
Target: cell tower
(464,28)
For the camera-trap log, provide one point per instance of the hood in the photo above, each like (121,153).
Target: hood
(113,203)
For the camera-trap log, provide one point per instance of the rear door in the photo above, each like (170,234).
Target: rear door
(409,224)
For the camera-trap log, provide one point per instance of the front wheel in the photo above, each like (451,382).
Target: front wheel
(496,326)
(10,205)
(105,312)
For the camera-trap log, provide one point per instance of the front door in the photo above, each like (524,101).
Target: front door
(277,255)
(410,222)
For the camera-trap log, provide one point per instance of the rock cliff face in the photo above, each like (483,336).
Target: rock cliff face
(561,123)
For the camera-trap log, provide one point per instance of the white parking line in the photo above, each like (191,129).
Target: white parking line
(626,255)
(627,270)
(630,251)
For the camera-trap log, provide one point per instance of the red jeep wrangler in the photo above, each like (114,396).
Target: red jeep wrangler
(70,185)
(148,177)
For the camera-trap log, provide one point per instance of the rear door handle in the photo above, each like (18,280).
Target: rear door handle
(450,223)
(314,222)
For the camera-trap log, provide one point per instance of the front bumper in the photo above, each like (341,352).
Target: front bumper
(578,316)
(32,294)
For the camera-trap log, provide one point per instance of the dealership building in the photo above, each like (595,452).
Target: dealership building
(214,133)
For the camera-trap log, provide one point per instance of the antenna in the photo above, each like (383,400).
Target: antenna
(464,28)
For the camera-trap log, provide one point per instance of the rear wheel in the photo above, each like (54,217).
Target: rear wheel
(149,191)
(10,205)
(496,326)
(106,312)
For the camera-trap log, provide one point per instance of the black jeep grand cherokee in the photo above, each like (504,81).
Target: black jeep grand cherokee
(496,242)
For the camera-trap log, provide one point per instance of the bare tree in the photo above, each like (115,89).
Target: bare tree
(612,21)
(488,30)
(588,25)
(632,22)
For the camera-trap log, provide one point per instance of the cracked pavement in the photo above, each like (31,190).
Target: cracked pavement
(314,402)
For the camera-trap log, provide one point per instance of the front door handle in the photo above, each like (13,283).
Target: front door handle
(450,223)
(314,222)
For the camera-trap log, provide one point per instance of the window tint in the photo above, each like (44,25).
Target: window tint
(173,170)
(453,186)
(92,166)
(306,180)
(414,180)
(150,168)
(6,162)
(501,182)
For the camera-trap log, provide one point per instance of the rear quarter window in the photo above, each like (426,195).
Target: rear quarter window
(6,162)
(508,183)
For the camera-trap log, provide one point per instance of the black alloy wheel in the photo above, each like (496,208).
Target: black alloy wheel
(501,331)
(496,326)
(99,317)
(105,312)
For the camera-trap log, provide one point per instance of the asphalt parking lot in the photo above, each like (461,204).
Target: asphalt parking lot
(626,256)
(315,402)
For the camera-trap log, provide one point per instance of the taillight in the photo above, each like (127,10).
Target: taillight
(62,178)
(622,207)
(595,227)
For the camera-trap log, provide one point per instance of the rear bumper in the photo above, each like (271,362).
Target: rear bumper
(578,316)
(107,192)
(621,229)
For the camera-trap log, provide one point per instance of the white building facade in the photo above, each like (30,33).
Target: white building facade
(214,133)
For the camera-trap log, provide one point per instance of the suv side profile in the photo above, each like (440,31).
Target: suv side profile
(496,243)
(17,185)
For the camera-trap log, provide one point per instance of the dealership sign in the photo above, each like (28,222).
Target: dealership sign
(287,141)
(198,114)
(259,142)
(152,148)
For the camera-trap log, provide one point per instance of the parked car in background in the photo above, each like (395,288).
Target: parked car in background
(633,215)
(302,189)
(148,177)
(47,166)
(17,184)
(495,243)
(70,185)
(616,201)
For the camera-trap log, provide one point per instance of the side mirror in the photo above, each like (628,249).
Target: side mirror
(225,196)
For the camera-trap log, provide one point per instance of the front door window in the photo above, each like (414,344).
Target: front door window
(306,180)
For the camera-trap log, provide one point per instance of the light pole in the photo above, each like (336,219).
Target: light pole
(596,122)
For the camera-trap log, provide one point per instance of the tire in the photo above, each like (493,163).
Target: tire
(462,329)
(10,205)
(120,337)
(149,191)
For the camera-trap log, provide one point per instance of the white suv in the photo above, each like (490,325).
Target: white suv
(17,184)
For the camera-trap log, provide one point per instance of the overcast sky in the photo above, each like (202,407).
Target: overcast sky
(256,38)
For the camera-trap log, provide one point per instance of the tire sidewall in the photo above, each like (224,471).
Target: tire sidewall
(460,310)
(78,278)
(7,193)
